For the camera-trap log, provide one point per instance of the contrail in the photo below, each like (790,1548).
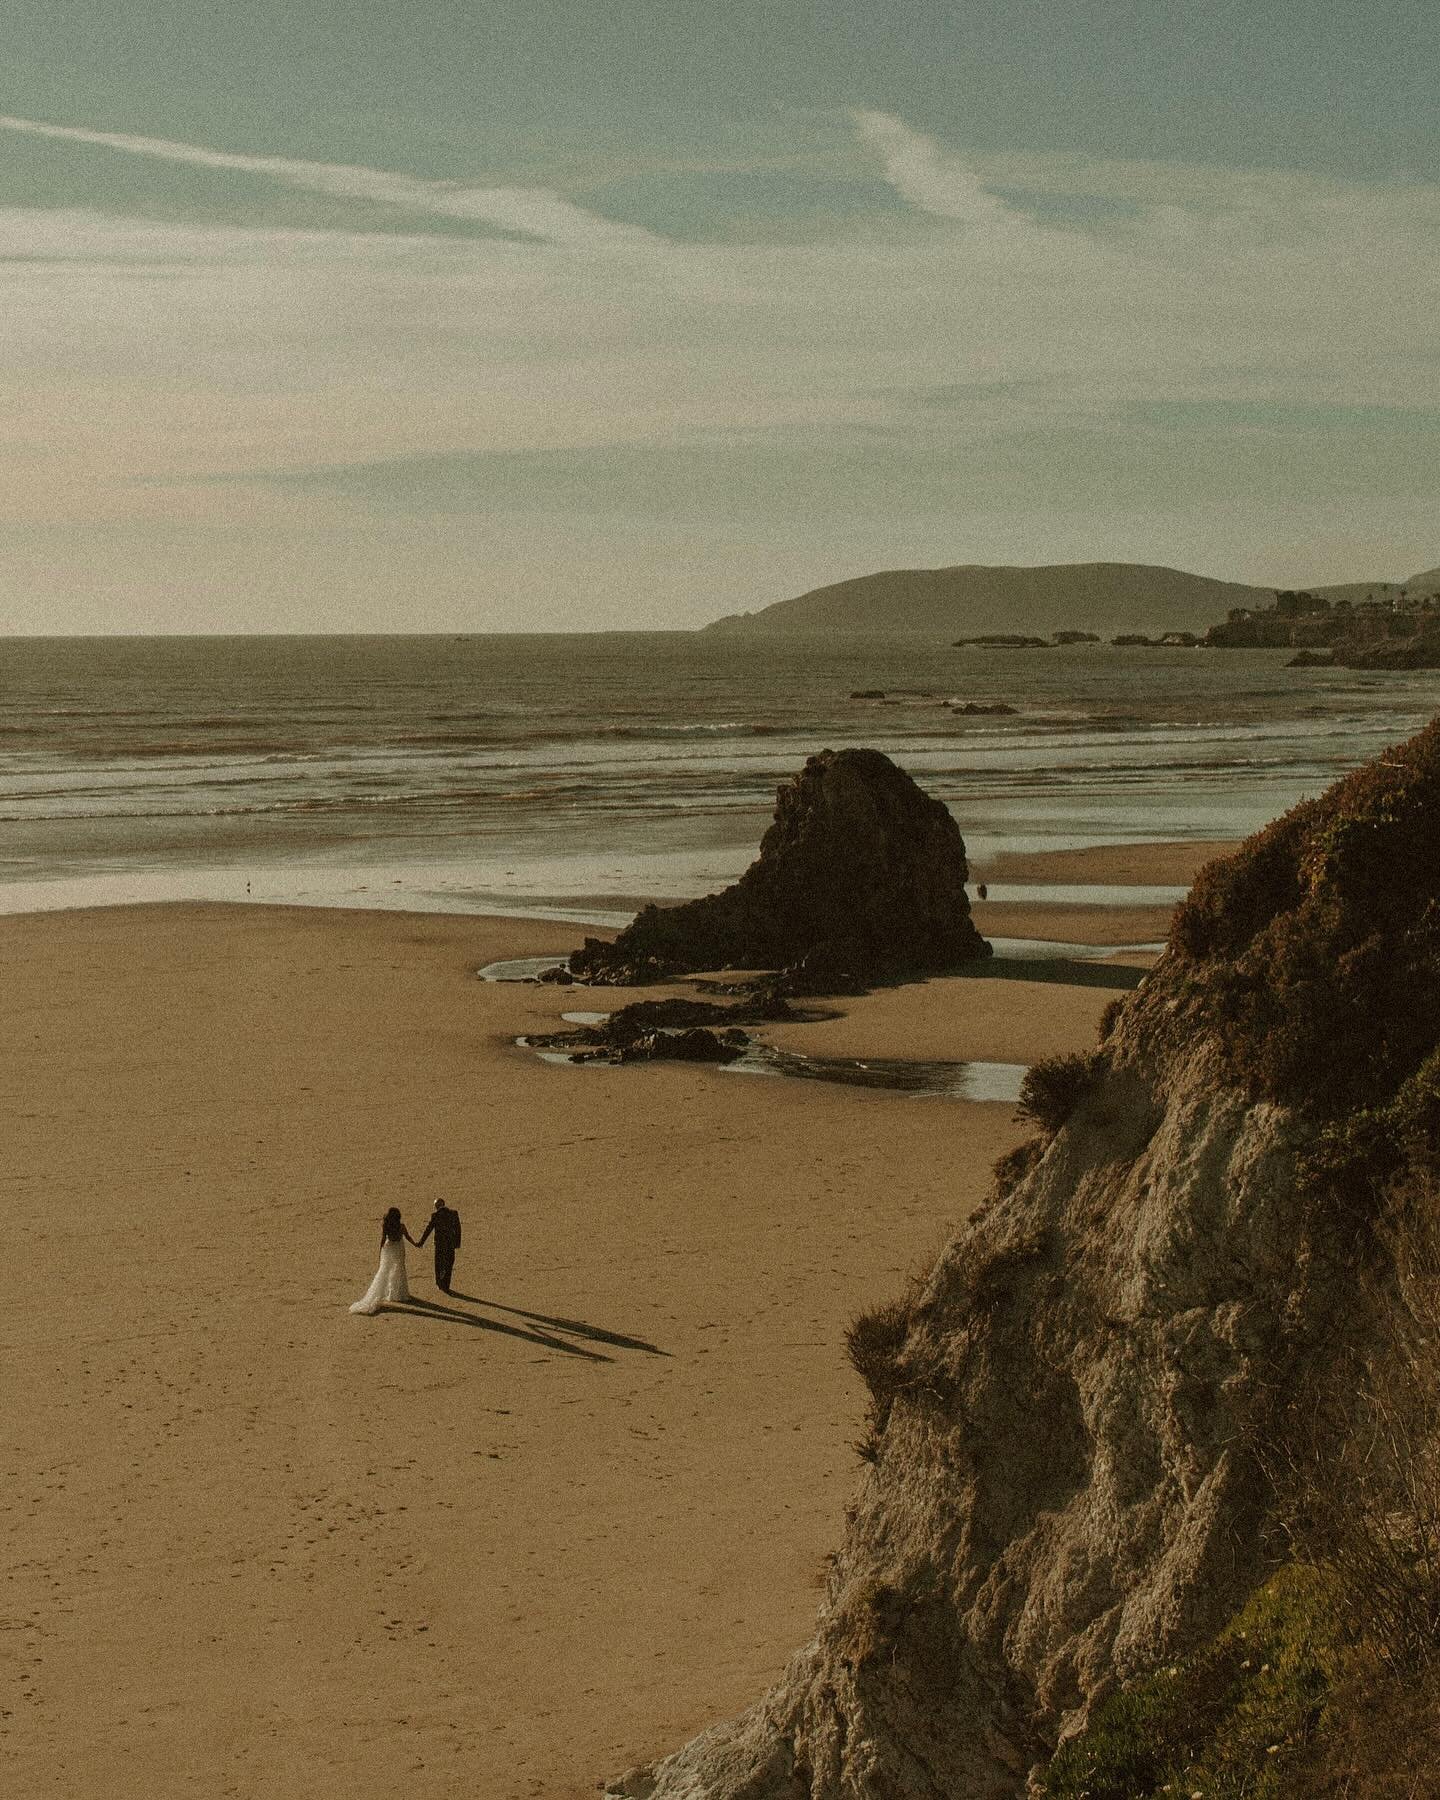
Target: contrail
(533,212)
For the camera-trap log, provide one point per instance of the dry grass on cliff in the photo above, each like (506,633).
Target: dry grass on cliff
(875,1343)
(891,1361)
(1055,1086)
(1380,1741)
(1359,1483)
(1359,1486)
(1012,1168)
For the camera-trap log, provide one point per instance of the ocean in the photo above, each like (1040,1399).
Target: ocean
(573,776)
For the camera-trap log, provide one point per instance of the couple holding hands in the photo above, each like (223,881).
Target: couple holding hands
(390,1286)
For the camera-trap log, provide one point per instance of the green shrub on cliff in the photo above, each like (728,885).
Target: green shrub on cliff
(1316,947)
(1366,1151)
(1230,1720)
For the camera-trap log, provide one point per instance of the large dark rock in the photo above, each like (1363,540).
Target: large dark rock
(861,873)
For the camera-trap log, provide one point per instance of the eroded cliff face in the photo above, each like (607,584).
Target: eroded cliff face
(1064,1486)
(1061,1490)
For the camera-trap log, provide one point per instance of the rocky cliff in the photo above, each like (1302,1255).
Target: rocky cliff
(1071,1419)
(860,877)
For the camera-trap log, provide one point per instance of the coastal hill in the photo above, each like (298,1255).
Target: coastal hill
(1414,587)
(1114,1438)
(973,598)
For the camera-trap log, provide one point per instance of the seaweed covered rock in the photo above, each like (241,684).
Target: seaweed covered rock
(861,874)
(1073,1419)
(672,1030)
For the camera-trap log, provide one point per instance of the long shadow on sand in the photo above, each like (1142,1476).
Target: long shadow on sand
(431,1309)
(575,1327)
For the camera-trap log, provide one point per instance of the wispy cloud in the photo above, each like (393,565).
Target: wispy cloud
(922,174)
(531,212)
(1217,207)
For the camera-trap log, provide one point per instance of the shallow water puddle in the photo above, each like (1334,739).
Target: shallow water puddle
(1055,950)
(944,1080)
(519,968)
(937,1080)
(1083,893)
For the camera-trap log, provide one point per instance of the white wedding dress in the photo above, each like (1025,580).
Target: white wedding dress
(389,1285)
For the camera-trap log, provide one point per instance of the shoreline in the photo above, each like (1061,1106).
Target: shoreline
(1089,884)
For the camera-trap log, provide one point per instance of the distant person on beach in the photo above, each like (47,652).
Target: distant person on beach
(389,1286)
(445,1223)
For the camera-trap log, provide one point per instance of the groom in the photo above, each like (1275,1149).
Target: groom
(445,1223)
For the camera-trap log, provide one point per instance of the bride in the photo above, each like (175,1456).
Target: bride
(389,1285)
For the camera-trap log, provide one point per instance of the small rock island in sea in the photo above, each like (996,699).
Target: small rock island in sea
(861,877)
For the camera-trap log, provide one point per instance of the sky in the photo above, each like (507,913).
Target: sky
(450,315)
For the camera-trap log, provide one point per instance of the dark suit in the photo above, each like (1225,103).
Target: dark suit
(445,1223)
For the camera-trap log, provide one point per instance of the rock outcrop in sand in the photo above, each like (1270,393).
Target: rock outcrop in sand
(1070,1418)
(860,877)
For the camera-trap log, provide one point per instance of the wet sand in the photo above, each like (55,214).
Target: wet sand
(497,1546)
(1068,916)
(1072,924)
(1141,864)
(956,1019)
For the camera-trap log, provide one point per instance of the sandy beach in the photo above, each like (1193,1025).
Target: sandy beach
(499,1546)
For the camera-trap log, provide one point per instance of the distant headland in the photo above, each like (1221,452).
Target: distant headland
(1383,628)
(974,600)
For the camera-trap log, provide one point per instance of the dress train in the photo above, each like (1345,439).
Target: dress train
(389,1286)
